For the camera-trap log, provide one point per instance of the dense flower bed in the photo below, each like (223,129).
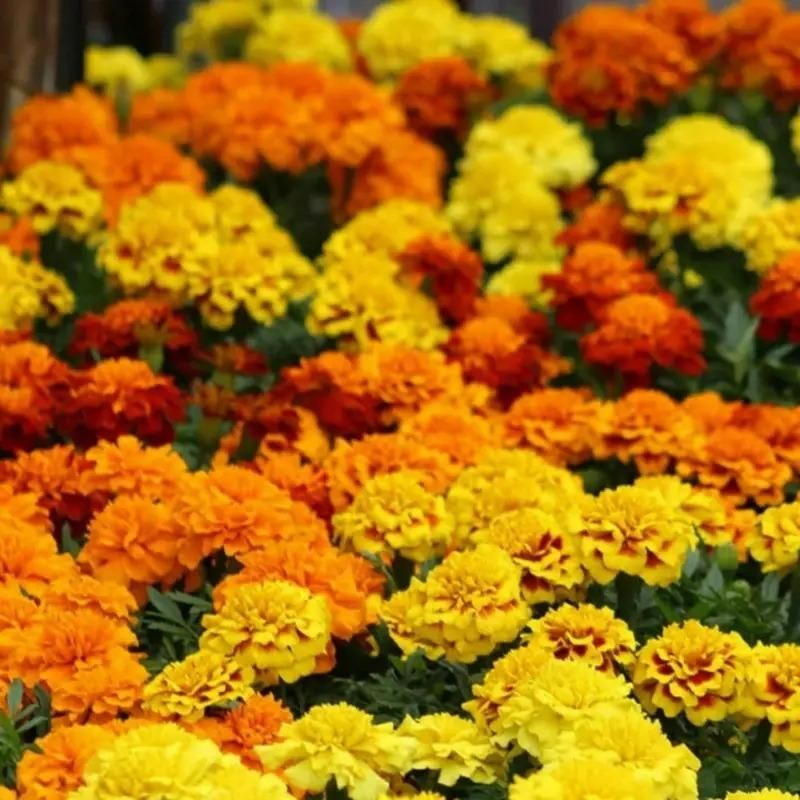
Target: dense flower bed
(404,408)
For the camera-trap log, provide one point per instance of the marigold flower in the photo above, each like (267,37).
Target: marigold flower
(185,689)
(778,60)
(739,464)
(454,747)
(643,330)
(775,540)
(708,411)
(468,605)
(543,545)
(279,629)
(634,531)
(350,585)
(217,30)
(29,559)
(73,128)
(393,513)
(772,234)
(75,592)
(575,779)
(340,743)
(693,669)
(691,21)
(601,221)
(549,704)
(119,396)
(115,70)
(19,236)
(584,633)
(773,692)
(777,300)
(162,113)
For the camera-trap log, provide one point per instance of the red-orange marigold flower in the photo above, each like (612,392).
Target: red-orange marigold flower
(643,330)
(777,301)
(121,396)
(779,55)
(691,21)
(19,236)
(778,426)
(453,270)
(511,308)
(600,221)
(162,113)
(708,411)
(306,483)
(440,94)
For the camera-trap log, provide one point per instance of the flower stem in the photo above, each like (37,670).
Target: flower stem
(628,588)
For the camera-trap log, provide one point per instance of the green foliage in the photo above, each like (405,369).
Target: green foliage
(25,719)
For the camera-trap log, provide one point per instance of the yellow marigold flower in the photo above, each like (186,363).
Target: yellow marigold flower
(549,705)
(468,605)
(581,779)
(703,508)
(523,277)
(240,213)
(499,198)
(694,669)
(217,29)
(544,546)
(165,71)
(558,149)
(54,196)
(341,743)
(501,681)
(299,36)
(116,70)
(584,633)
(772,234)
(453,746)
(29,292)
(506,480)
(774,692)
(503,49)
(634,531)
(399,35)
(775,540)
(185,689)
(627,738)
(394,513)
(165,761)
(280,629)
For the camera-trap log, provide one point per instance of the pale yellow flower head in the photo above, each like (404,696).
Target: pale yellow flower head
(217,29)
(116,70)
(341,743)
(523,277)
(772,234)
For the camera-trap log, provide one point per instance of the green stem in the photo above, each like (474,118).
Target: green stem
(628,588)
(761,739)
(794,601)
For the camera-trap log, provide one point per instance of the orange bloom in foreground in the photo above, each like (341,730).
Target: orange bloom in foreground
(83,591)
(643,330)
(306,483)
(610,60)
(739,464)
(439,95)
(162,113)
(691,21)
(74,127)
(601,222)
(778,426)
(777,300)
(708,410)
(779,55)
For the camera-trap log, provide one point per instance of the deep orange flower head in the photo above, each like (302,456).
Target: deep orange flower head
(778,426)
(162,113)
(648,427)
(351,464)
(452,269)
(74,127)
(511,308)
(777,301)
(558,424)
(643,330)
(593,276)
(123,327)
(134,165)
(236,359)
(19,236)
(691,21)
(779,55)
(22,507)
(306,483)
(708,411)
(746,24)
(120,396)
(439,95)
(599,221)
(739,464)
(83,591)
(386,174)
(350,585)
(609,59)
(29,559)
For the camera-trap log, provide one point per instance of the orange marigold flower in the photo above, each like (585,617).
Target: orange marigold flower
(133,541)
(558,424)
(306,483)
(19,236)
(453,271)
(120,396)
(351,464)
(779,60)
(643,330)
(83,591)
(56,767)
(778,426)
(739,464)
(74,127)
(385,175)
(22,507)
(350,585)
(29,559)
(440,94)
(609,60)
(600,221)
(237,510)
(123,327)
(18,615)
(236,359)
(691,21)
(162,113)
(593,277)
(647,427)
(777,301)
(708,411)
(517,313)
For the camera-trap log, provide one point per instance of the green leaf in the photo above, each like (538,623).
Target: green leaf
(168,607)
(16,690)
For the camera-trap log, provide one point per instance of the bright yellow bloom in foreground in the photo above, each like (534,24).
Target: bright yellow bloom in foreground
(581,779)
(276,627)
(116,70)
(775,540)
(342,743)
(772,234)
